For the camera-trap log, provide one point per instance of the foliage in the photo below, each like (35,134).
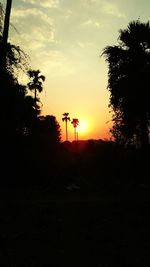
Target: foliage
(16,107)
(66,118)
(75,122)
(49,129)
(128,83)
(36,83)
(16,59)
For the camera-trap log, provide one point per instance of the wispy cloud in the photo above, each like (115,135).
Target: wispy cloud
(55,63)
(111,9)
(89,2)
(84,44)
(44,3)
(19,13)
(53,55)
(34,26)
(91,23)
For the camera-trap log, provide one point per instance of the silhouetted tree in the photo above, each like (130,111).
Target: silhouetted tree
(16,109)
(5,35)
(75,123)
(1,18)
(50,129)
(13,108)
(128,83)
(66,119)
(12,58)
(36,83)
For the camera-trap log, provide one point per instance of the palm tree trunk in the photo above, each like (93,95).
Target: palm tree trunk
(35,98)
(66,132)
(75,135)
(5,35)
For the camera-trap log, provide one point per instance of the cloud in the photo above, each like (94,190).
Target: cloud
(44,3)
(68,14)
(84,44)
(81,44)
(92,23)
(36,28)
(55,63)
(20,13)
(111,9)
(89,2)
(53,55)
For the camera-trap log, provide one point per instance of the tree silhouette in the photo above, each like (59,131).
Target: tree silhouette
(66,119)
(50,129)
(1,18)
(5,35)
(36,83)
(15,107)
(75,123)
(13,58)
(128,83)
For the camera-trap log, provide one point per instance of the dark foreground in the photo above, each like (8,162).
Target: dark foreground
(74,229)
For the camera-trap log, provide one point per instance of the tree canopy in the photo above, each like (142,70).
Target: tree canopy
(17,107)
(49,129)
(128,83)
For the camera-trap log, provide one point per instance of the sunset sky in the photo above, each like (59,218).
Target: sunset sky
(64,39)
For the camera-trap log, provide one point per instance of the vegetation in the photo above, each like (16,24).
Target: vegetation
(65,202)
(39,153)
(66,119)
(75,123)
(4,38)
(50,129)
(93,165)
(15,103)
(36,83)
(22,130)
(128,83)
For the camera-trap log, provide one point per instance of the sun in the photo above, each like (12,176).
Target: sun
(82,126)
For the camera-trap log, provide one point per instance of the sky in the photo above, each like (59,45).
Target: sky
(64,40)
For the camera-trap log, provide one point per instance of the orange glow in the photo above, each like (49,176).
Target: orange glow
(83,129)
(89,127)
(83,126)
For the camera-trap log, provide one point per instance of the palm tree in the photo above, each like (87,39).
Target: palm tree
(75,123)
(128,83)
(66,119)
(36,83)
(5,35)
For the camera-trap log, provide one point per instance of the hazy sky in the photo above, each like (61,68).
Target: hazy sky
(64,39)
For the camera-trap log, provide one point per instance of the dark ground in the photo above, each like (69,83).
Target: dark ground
(74,229)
